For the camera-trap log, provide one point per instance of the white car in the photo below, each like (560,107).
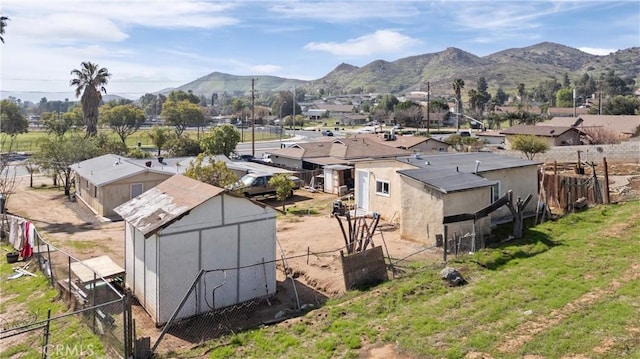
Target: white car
(366,130)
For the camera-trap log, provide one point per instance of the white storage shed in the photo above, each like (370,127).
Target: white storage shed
(182,226)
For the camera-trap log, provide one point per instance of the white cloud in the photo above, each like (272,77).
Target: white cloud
(343,11)
(596,51)
(265,69)
(380,42)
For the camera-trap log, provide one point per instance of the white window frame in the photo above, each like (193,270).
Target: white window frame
(131,189)
(495,192)
(381,185)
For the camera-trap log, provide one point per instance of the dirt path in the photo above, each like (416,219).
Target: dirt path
(69,225)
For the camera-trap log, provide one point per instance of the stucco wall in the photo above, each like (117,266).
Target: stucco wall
(385,170)
(422,212)
(628,151)
(425,209)
(522,181)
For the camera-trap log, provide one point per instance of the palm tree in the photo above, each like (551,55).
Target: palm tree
(458,85)
(90,80)
(521,91)
(3,24)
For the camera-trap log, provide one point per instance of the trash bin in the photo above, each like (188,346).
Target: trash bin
(12,257)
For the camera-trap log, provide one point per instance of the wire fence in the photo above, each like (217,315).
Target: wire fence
(96,318)
(299,290)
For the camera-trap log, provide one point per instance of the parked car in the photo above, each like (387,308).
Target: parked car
(366,130)
(257,184)
(327,133)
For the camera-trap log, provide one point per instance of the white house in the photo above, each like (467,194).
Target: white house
(182,226)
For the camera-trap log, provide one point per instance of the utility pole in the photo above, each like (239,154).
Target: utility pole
(294,111)
(253,118)
(428,109)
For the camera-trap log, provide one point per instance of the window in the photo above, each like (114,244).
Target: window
(95,192)
(495,192)
(382,188)
(136,189)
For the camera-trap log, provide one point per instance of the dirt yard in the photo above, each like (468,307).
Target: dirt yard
(311,245)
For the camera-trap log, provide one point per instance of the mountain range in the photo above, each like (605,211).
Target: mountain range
(506,69)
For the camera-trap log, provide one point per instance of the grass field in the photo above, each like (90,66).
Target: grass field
(29,142)
(568,289)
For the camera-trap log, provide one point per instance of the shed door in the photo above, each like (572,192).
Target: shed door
(362,190)
(328,180)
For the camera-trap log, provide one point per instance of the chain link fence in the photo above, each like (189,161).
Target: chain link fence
(95,320)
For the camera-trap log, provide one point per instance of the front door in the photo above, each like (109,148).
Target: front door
(362,190)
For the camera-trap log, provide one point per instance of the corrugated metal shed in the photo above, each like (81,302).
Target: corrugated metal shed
(166,203)
(447,181)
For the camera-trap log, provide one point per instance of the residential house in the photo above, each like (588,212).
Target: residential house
(324,155)
(416,144)
(625,126)
(418,191)
(553,135)
(107,181)
(491,137)
(183,226)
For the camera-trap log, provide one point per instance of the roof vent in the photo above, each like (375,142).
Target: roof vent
(477,165)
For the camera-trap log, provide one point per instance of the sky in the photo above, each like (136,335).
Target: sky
(150,45)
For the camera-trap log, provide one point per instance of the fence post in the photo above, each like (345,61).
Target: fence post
(45,340)
(446,243)
(69,278)
(607,199)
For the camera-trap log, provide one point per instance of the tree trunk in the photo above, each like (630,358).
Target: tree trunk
(67,183)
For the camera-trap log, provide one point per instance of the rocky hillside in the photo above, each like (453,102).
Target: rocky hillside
(529,65)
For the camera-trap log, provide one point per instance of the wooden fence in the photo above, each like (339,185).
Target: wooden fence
(566,190)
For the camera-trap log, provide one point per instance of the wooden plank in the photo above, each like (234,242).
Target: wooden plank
(103,266)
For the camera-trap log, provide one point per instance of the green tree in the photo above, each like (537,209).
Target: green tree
(212,172)
(124,120)
(221,141)
(181,115)
(90,81)
(566,83)
(388,102)
(177,96)
(12,123)
(521,92)
(284,187)
(458,86)
(501,96)
(58,153)
(3,24)
(529,145)
(55,123)
(621,105)
(180,146)
(564,97)
(159,137)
